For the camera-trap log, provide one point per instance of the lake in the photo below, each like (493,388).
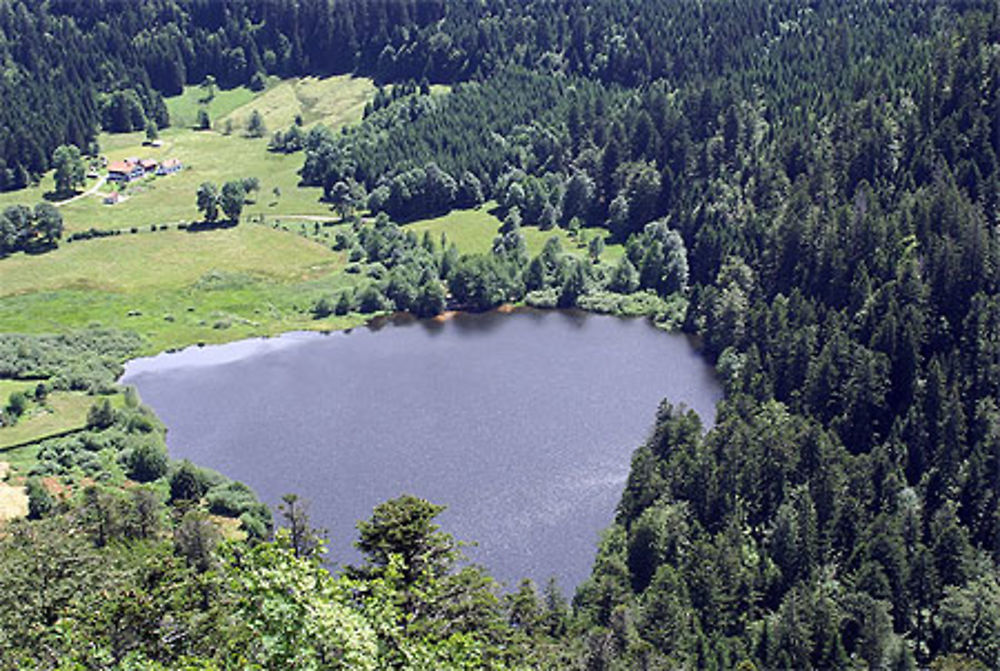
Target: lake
(522,423)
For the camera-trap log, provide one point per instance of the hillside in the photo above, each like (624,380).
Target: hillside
(810,189)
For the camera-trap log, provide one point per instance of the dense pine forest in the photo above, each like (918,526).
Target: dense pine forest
(818,181)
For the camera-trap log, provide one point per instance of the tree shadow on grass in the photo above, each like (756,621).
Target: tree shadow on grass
(59,196)
(199,226)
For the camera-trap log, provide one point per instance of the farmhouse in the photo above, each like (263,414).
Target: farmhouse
(124,171)
(148,165)
(169,167)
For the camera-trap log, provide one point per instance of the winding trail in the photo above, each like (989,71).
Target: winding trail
(89,192)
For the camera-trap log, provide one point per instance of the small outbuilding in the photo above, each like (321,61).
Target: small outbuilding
(169,167)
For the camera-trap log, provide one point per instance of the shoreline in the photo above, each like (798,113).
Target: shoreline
(380,320)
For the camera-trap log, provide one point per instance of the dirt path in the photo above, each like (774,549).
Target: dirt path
(89,192)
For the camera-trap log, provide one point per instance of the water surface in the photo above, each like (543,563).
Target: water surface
(523,424)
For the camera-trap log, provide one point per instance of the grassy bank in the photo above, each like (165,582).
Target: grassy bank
(173,287)
(61,413)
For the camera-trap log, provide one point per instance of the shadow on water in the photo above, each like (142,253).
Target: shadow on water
(576,318)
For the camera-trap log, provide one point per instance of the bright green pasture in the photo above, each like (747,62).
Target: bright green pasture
(165,259)
(173,287)
(8,387)
(214,157)
(207,157)
(184,108)
(473,231)
(61,413)
(334,101)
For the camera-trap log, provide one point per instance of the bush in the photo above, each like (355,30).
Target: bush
(371,300)
(256,522)
(40,502)
(101,415)
(231,499)
(187,483)
(17,403)
(344,304)
(323,308)
(543,298)
(258,81)
(146,462)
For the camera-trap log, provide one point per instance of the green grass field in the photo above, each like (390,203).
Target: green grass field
(334,101)
(473,231)
(62,412)
(214,157)
(8,387)
(173,287)
(165,260)
(207,157)
(184,108)
(177,288)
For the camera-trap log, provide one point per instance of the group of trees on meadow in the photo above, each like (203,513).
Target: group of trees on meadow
(25,229)
(228,201)
(405,272)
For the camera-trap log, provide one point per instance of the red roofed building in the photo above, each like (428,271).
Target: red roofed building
(124,171)
(148,165)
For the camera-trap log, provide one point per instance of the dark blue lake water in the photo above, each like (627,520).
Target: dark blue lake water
(523,424)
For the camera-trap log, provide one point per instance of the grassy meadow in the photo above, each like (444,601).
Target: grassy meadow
(471,230)
(62,412)
(174,287)
(184,108)
(334,101)
(215,157)
(178,288)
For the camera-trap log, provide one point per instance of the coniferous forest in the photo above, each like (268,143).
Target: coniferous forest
(819,179)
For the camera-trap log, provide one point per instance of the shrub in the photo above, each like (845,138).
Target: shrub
(40,502)
(323,308)
(256,521)
(543,298)
(344,304)
(101,415)
(17,403)
(146,462)
(231,499)
(188,483)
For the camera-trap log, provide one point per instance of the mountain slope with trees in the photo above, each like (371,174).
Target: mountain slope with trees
(818,180)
